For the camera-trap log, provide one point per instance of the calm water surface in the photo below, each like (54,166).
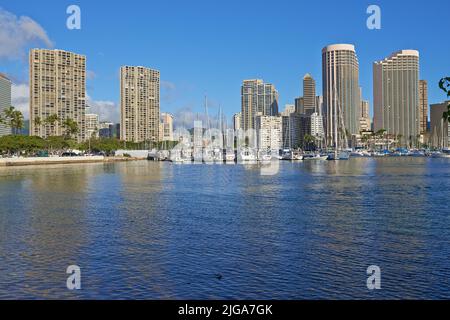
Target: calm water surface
(144,230)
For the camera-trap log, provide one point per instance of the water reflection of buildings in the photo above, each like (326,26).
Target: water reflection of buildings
(53,232)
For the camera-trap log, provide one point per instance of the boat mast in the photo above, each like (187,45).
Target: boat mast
(335,116)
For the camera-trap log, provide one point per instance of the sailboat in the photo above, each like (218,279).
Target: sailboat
(339,152)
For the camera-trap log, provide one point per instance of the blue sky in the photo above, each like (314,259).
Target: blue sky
(209,47)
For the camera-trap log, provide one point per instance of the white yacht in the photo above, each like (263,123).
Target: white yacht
(286,154)
(175,156)
(247,155)
(217,155)
(360,154)
(229,156)
(264,155)
(207,156)
(316,157)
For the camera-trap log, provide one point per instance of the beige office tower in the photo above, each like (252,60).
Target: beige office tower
(309,94)
(166,127)
(139,104)
(396,95)
(257,97)
(341,95)
(423,106)
(57,87)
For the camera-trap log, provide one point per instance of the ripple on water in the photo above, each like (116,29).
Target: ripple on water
(144,230)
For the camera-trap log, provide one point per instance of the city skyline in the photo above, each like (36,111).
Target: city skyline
(183,90)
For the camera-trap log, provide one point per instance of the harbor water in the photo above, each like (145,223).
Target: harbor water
(149,230)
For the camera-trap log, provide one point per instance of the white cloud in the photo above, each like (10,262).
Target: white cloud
(18,33)
(20,97)
(107,110)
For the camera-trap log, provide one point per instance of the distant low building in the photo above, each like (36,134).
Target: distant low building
(106,130)
(317,129)
(166,127)
(365,124)
(92,125)
(288,109)
(237,121)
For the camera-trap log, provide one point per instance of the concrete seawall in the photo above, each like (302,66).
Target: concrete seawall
(6,162)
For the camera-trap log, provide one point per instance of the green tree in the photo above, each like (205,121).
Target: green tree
(37,122)
(444,84)
(52,120)
(71,127)
(308,142)
(27,145)
(13,118)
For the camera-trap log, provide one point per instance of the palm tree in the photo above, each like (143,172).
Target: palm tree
(444,84)
(365,141)
(17,122)
(12,118)
(37,121)
(52,120)
(71,127)
(308,141)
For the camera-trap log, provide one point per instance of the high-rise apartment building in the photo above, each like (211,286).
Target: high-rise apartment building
(439,127)
(341,96)
(5,101)
(57,87)
(309,94)
(396,95)
(166,127)
(257,97)
(423,106)
(269,132)
(139,104)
